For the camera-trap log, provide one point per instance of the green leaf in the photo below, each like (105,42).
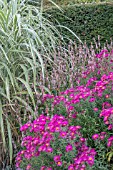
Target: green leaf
(2,127)
(25,72)
(7,87)
(28,89)
(10,141)
(25,104)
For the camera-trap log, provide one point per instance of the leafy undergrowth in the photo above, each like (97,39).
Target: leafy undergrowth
(75,130)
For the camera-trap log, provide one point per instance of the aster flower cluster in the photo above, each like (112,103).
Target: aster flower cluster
(46,132)
(108,120)
(56,140)
(108,117)
(110,141)
(71,97)
(100,136)
(101,63)
(95,90)
(103,54)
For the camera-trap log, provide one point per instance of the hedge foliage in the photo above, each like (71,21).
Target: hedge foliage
(86,21)
(70,2)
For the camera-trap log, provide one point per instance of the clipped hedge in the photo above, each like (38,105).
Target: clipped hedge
(70,2)
(87,21)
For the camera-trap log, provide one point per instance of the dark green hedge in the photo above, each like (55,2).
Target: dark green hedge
(71,2)
(87,21)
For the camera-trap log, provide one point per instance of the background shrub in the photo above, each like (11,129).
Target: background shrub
(87,21)
(68,2)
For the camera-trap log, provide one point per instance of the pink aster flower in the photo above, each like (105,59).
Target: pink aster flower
(69,148)
(65,123)
(110,141)
(70,108)
(95,109)
(28,167)
(63,134)
(57,158)
(49,149)
(43,168)
(110,127)
(48,168)
(59,163)
(82,139)
(71,167)
(90,160)
(57,129)
(107,96)
(25,126)
(95,136)
(92,99)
